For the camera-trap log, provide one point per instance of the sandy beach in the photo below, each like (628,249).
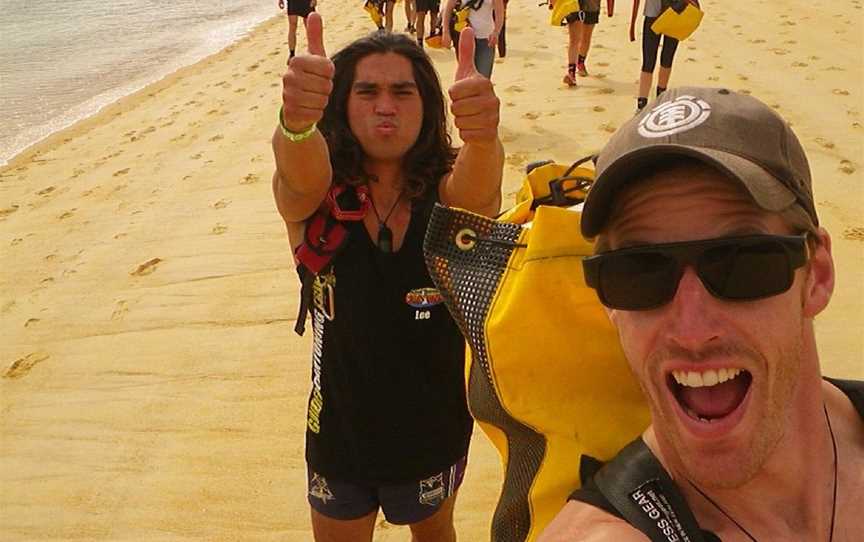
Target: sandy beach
(151,385)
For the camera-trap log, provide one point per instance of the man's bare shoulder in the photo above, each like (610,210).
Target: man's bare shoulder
(579,521)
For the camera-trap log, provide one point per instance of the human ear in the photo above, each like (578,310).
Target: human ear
(819,281)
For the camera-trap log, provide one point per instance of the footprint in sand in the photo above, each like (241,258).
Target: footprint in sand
(714,78)
(515,88)
(253,108)
(603,64)
(120,172)
(854,234)
(840,92)
(250,178)
(22,366)
(799,64)
(196,156)
(846,167)
(121,308)
(147,267)
(219,229)
(239,90)
(45,191)
(825,143)
(598,109)
(606,127)
(215,138)
(274,84)
(528,65)
(605,90)
(67,214)
(252,68)
(531,115)
(31,322)
(221,204)
(16,241)
(758,40)
(8,211)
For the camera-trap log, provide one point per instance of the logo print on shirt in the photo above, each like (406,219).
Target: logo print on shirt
(682,114)
(423,298)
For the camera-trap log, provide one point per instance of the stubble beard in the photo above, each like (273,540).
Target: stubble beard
(732,468)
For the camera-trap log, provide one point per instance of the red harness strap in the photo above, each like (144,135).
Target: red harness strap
(325,236)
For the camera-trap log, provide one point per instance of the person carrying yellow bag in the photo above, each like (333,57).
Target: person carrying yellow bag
(659,22)
(546,379)
(486,17)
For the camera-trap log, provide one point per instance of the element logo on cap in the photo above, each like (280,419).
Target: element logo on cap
(679,115)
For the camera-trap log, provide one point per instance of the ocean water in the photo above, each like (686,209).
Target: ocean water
(64,60)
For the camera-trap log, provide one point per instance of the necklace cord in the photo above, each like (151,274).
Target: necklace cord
(833,499)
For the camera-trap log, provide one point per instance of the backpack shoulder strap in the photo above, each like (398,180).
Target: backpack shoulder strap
(324,236)
(638,486)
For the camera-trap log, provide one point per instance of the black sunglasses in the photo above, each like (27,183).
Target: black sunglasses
(732,268)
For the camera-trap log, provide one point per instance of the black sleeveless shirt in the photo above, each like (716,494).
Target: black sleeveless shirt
(388,385)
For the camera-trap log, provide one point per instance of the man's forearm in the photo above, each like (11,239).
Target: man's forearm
(303,174)
(476,181)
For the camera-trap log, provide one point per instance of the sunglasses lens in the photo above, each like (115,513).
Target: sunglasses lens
(748,271)
(637,281)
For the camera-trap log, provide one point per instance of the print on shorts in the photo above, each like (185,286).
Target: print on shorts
(319,490)
(432,490)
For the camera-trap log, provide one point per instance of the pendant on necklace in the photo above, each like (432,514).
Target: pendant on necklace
(385,238)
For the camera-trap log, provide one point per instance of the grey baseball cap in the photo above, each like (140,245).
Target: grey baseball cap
(736,133)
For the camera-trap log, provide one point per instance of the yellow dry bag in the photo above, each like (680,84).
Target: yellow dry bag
(546,379)
(679,20)
(374,11)
(561,10)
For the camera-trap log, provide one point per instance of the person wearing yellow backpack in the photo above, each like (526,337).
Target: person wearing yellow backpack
(486,17)
(650,44)
(580,28)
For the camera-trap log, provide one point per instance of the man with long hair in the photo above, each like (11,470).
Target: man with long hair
(362,142)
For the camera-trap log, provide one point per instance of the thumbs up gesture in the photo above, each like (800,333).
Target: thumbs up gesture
(475,106)
(308,81)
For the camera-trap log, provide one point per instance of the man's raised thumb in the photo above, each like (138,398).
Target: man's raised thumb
(466,66)
(315,34)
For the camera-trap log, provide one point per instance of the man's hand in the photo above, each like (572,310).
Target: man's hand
(308,82)
(475,106)
(632,32)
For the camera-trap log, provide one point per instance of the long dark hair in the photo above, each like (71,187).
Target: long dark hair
(431,156)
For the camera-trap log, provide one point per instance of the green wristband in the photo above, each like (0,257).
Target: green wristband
(295,137)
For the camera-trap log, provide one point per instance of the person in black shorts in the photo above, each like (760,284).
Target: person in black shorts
(650,44)
(423,7)
(362,155)
(712,266)
(580,29)
(294,9)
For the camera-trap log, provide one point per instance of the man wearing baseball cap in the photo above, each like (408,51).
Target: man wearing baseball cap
(712,266)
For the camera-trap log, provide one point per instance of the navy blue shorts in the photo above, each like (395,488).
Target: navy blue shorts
(402,504)
(299,7)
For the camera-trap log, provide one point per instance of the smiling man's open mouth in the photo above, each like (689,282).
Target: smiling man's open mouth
(712,394)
